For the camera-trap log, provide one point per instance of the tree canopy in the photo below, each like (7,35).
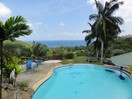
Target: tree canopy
(106,26)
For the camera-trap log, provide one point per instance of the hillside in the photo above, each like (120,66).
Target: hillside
(17,42)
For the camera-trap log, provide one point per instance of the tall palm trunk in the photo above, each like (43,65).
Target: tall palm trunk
(102,51)
(97,53)
(1,54)
(1,65)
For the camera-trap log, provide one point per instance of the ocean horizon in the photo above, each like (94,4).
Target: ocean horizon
(59,43)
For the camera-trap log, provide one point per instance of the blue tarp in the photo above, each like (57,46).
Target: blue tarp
(28,65)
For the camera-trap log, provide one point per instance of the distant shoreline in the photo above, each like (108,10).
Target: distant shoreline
(59,43)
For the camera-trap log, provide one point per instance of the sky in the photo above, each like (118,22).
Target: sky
(59,19)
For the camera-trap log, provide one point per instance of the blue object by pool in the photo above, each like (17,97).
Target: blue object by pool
(110,70)
(29,63)
(39,61)
(81,81)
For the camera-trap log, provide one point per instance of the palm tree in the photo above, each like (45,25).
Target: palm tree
(13,28)
(92,39)
(106,26)
(38,50)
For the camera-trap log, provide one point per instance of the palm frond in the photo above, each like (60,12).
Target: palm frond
(16,27)
(113,8)
(99,6)
(86,31)
(117,20)
(93,17)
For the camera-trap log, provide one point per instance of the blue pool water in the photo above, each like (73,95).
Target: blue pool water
(81,81)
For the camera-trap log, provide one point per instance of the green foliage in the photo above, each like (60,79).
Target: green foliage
(120,45)
(69,55)
(38,50)
(117,52)
(23,85)
(10,65)
(78,59)
(130,68)
(15,27)
(61,52)
(17,48)
(105,27)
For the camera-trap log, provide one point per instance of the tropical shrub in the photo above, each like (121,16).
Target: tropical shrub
(17,48)
(38,50)
(23,85)
(69,55)
(130,68)
(10,65)
(117,52)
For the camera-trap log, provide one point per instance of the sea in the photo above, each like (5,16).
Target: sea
(60,43)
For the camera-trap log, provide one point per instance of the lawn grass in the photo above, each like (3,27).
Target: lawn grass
(80,59)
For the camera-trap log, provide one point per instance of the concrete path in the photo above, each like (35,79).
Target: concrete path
(32,76)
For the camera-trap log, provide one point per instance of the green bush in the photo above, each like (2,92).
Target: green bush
(130,68)
(10,65)
(69,55)
(23,85)
(118,52)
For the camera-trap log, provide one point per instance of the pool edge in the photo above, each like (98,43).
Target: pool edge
(49,74)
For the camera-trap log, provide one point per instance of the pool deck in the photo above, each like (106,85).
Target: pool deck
(36,78)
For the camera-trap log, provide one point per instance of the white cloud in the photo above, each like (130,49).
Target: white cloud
(62,24)
(4,10)
(90,1)
(65,36)
(35,25)
(55,36)
(30,24)
(38,23)
(125,11)
(46,27)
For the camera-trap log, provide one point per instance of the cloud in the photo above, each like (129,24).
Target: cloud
(35,25)
(55,36)
(90,1)
(62,24)
(4,11)
(47,28)
(30,24)
(68,36)
(38,23)
(125,11)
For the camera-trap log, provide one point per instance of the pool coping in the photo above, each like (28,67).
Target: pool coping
(128,73)
(49,74)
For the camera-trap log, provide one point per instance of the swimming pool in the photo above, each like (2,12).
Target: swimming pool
(83,81)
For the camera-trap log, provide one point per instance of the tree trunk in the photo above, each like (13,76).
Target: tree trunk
(1,65)
(97,53)
(102,51)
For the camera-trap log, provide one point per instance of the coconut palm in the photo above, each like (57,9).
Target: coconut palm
(38,50)
(106,26)
(13,28)
(92,39)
